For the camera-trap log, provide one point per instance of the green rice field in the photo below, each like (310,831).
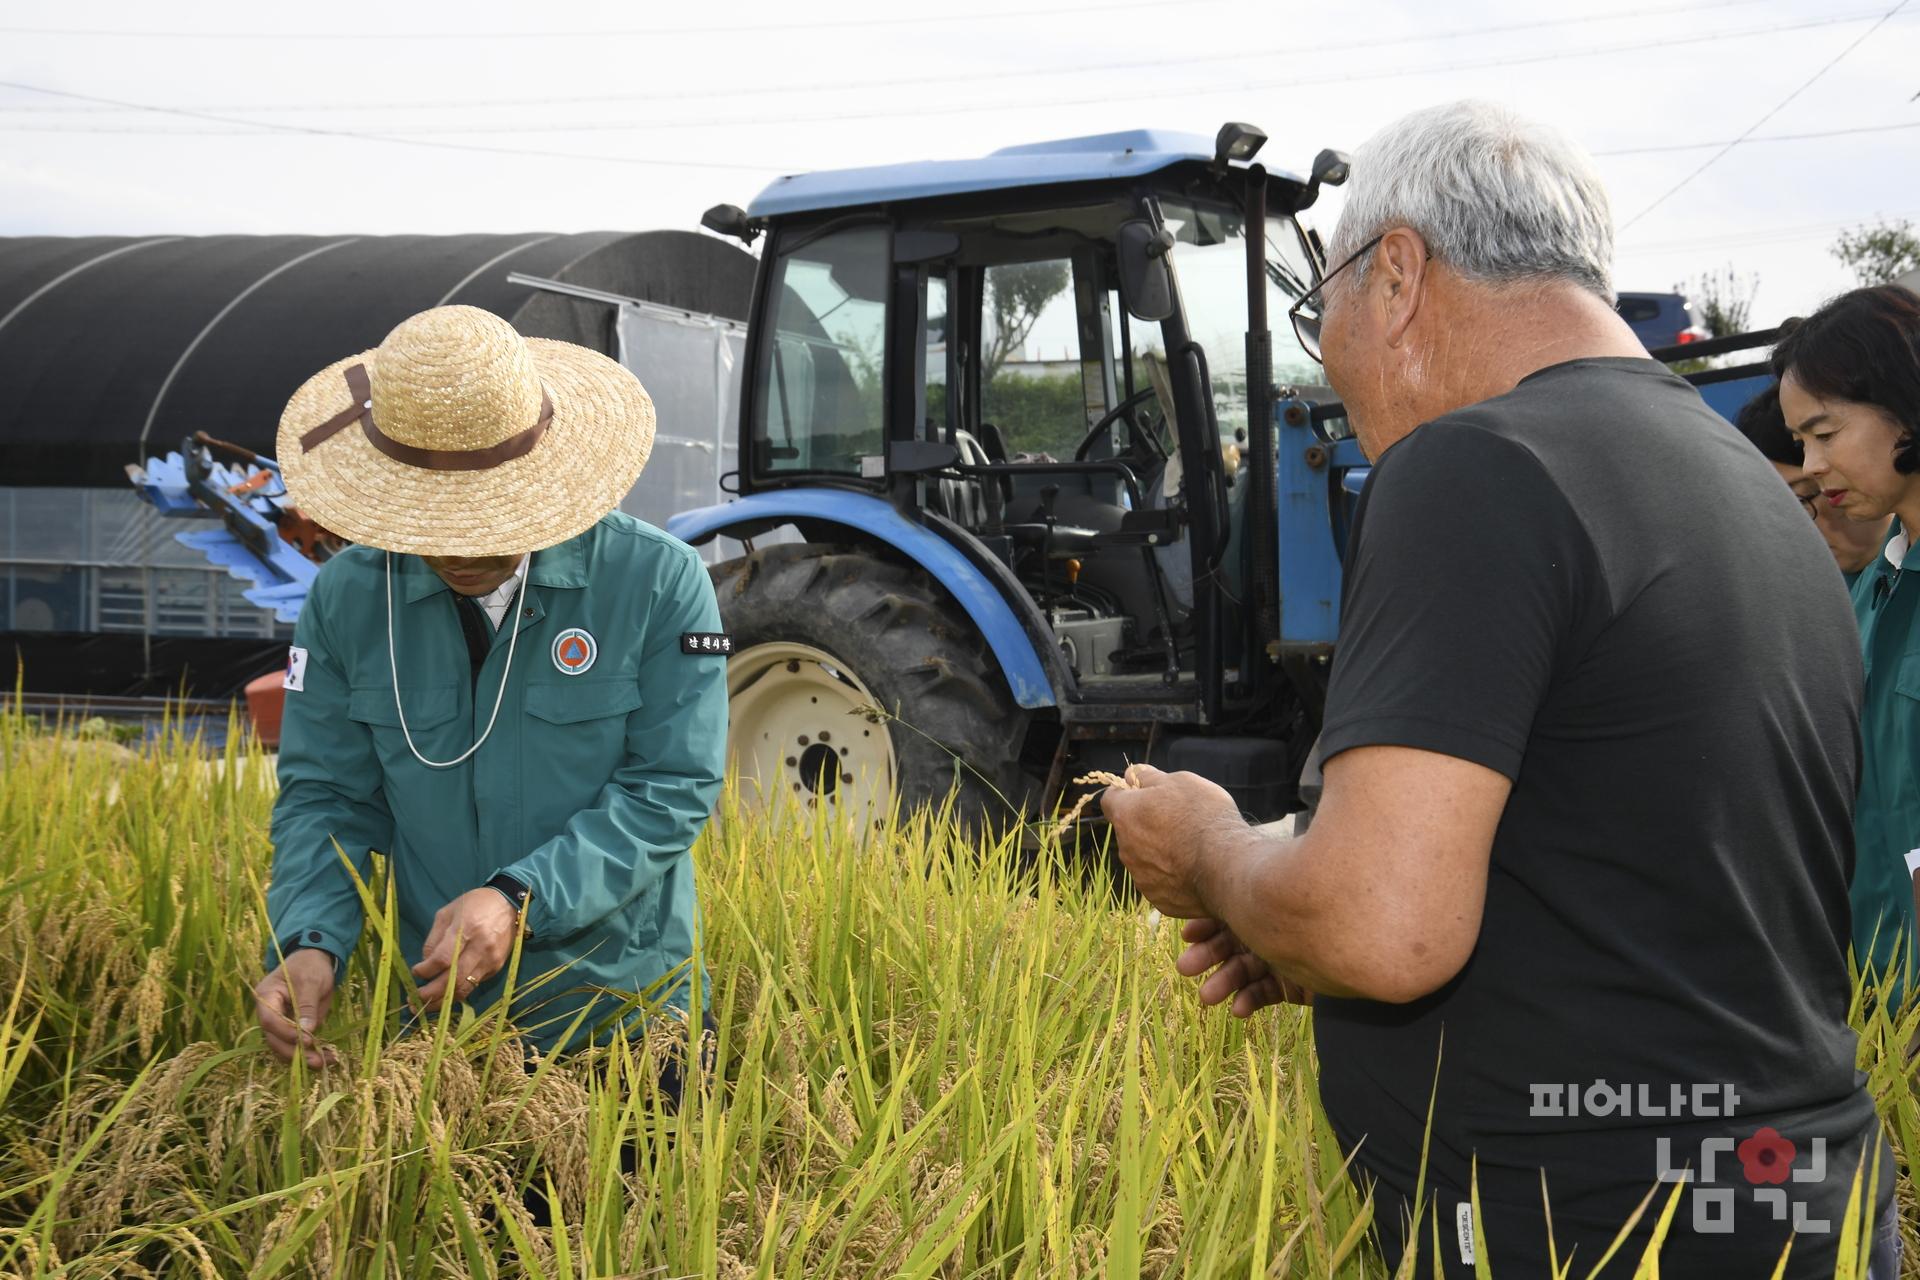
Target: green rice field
(932,1060)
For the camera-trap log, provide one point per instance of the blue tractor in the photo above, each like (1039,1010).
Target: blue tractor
(1062,497)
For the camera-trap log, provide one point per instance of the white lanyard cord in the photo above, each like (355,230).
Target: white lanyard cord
(393,664)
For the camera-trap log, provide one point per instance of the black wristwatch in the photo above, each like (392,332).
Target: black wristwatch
(514,892)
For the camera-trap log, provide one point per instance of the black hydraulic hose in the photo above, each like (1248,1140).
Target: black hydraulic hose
(1171,674)
(1262,509)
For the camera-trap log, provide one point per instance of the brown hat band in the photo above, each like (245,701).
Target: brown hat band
(514,446)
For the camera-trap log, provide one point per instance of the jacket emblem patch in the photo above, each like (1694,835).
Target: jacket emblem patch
(574,651)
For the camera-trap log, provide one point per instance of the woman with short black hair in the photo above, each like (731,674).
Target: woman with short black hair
(1855,544)
(1850,391)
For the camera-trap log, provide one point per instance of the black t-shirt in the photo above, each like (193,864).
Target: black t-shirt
(1595,586)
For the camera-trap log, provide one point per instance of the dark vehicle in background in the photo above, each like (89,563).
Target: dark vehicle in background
(1661,319)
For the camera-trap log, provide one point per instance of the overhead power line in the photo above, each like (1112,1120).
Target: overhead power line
(1776,109)
(596,33)
(163,131)
(1134,93)
(962,77)
(1746,141)
(1130,94)
(1754,236)
(316,131)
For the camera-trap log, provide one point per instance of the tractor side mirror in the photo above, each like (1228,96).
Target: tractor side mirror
(730,220)
(1146,281)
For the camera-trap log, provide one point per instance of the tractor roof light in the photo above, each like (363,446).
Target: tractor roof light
(1330,169)
(1237,141)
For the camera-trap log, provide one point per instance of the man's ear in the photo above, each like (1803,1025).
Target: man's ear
(1401,263)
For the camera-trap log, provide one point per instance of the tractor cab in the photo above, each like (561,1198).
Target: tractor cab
(1058,365)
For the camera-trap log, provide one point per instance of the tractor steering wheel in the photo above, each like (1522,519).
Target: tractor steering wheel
(1122,410)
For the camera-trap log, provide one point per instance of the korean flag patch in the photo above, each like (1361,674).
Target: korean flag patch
(296,679)
(706,642)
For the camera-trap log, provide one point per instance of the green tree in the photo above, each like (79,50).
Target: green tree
(1724,300)
(1017,293)
(1879,253)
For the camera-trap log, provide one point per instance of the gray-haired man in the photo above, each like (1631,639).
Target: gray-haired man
(1580,818)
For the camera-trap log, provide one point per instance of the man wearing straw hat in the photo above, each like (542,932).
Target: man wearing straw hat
(511,689)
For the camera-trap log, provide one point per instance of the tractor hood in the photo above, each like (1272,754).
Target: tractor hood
(1097,158)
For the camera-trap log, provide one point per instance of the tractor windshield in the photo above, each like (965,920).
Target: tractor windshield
(1210,263)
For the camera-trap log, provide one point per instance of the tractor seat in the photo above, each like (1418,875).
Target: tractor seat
(964,500)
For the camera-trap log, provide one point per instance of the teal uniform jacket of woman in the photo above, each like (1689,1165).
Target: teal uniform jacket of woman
(1886,601)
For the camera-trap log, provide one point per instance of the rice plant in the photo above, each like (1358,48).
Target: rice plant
(930,1060)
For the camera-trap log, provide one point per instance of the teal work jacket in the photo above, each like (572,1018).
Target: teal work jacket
(603,766)
(1886,822)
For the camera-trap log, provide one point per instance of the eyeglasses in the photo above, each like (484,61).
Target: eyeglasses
(1306,328)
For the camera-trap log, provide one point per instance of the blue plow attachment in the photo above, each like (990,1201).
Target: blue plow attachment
(247,501)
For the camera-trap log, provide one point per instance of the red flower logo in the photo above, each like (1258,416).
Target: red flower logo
(1767,1156)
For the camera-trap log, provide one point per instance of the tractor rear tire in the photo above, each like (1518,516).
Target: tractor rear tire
(818,630)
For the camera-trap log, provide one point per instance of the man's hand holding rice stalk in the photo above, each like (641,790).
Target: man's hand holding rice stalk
(1160,854)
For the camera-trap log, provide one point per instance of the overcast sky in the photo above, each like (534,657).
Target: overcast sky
(583,116)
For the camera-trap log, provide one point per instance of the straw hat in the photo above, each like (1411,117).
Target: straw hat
(458,437)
